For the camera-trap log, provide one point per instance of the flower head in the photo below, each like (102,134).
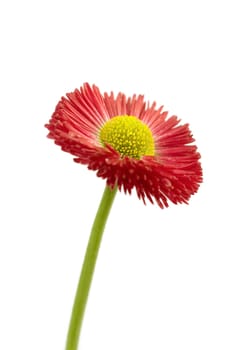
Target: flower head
(128,142)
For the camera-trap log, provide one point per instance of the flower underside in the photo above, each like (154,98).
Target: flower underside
(128,135)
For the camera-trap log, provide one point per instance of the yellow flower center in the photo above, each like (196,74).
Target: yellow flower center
(129,136)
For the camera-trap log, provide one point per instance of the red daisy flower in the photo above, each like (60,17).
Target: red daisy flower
(128,142)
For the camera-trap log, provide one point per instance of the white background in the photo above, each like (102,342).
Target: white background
(166,279)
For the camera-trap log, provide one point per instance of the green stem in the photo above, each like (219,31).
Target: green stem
(88,268)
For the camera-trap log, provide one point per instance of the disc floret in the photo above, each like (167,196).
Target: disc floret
(129,136)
